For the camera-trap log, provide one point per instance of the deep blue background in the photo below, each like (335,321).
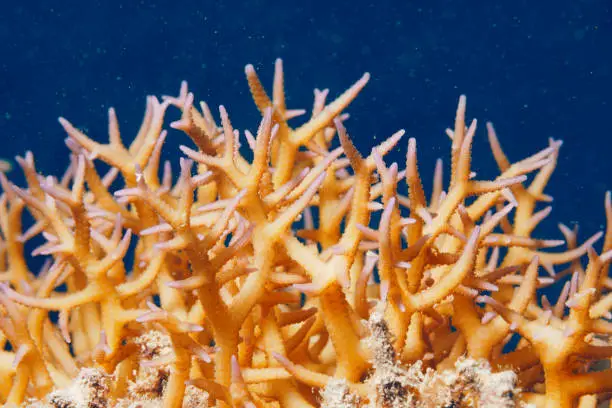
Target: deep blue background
(535,68)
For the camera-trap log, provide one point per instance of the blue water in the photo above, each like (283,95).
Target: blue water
(536,68)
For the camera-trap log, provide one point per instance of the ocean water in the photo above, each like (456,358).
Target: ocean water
(536,69)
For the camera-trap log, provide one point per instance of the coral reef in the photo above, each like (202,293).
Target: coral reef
(293,271)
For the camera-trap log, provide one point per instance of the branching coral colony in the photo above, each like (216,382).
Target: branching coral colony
(249,283)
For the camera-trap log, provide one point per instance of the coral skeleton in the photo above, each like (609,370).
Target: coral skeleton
(284,268)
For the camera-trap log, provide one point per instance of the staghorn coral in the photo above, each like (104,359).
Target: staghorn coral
(294,272)
(4,165)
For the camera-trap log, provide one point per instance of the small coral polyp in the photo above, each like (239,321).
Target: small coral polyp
(252,272)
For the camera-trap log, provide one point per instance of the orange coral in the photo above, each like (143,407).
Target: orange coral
(249,282)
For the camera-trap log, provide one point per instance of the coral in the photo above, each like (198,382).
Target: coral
(292,271)
(5,166)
